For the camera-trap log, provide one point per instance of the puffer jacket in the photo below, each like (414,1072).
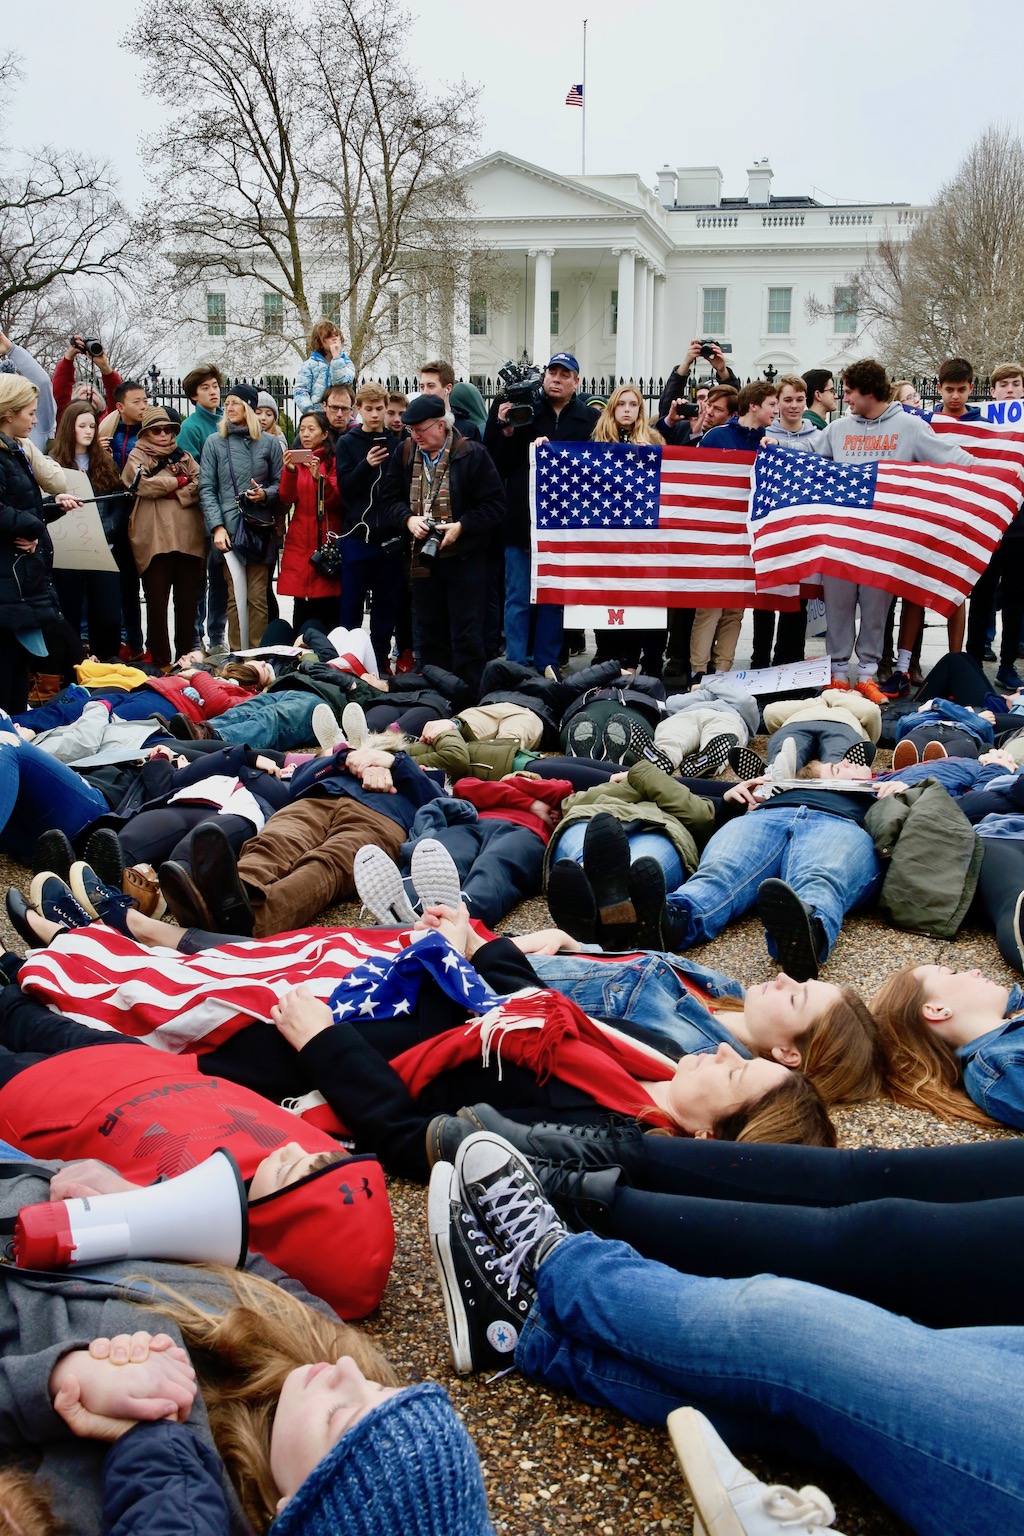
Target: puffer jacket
(648,798)
(316,375)
(933,856)
(261,460)
(297,577)
(635,691)
(27,596)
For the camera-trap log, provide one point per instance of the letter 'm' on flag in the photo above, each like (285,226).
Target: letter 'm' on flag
(575,96)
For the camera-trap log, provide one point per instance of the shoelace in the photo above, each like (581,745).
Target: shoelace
(521,1218)
(505,1265)
(808,1507)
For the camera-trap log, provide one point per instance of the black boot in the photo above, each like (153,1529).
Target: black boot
(611,1143)
(583,1197)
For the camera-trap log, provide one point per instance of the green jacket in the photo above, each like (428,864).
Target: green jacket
(933,856)
(462,759)
(651,797)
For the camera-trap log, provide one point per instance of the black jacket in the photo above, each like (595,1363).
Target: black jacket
(27,597)
(360,485)
(677,387)
(477,497)
(575,423)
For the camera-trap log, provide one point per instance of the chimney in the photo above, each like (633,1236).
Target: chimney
(668,184)
(759,182)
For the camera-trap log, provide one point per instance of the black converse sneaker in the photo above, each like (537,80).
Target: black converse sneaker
(506,1199)
(486,1299)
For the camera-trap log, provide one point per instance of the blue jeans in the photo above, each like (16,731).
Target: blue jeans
(282,721)
(547,629)
(651,845)
(929,1419)
(47,793)
(830,863)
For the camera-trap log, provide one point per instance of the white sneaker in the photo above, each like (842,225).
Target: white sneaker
(784,766)
(730,1501)
(326,728)
(353,723)
(381,888)
(435,875)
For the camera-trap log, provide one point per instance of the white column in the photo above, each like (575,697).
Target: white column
(624,332)
(460,324)
(649,334)
(584,343)
(657,342)
(639,315)
(541,306)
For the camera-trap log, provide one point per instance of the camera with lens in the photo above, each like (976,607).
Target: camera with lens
(90,345)
(688,409)
(522,387)
(707,348)
(430,549)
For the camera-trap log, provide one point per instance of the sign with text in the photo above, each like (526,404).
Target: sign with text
(79,543)
(600,617)
(796,674)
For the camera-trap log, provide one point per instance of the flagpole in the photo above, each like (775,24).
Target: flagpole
(583,147)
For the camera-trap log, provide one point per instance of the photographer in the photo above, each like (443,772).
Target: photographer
(558,416)
(64,387)
(445,491)
(675,389)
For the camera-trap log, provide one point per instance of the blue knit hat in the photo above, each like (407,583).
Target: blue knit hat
(408,1469)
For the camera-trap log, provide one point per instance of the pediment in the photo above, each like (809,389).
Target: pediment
(502,186)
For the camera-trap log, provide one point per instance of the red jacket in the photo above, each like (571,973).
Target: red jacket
(298,578)
(216,694)
(510,800)
(63,384)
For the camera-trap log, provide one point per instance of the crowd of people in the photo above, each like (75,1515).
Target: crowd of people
(634,1188)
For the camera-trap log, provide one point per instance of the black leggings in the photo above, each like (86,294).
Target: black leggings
(1001,882)
(933,1233)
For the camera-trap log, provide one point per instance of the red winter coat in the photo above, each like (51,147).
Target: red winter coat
(216,694)
(298,578)
(510,800)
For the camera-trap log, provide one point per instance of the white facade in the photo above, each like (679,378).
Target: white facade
(623,276)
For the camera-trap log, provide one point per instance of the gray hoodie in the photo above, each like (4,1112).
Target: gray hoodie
(896,434)
(802,439)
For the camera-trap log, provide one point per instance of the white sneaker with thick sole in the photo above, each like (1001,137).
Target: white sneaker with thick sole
(353,723)
(326,729)
(435,875)
(730,1501)
(381,888)
(784,765)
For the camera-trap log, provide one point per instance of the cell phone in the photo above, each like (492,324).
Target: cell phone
(380,437)
(302,456)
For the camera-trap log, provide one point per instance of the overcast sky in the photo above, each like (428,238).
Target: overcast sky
(852,104)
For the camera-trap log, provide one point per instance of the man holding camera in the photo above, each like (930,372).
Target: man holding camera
(64,387)
(558,416)
(445,491)
(675,389)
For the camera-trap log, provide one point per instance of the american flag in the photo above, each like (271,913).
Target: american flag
(654,527)
(923,532)
(575,96)
(991,442)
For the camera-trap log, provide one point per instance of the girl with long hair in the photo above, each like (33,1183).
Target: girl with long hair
(624,420)
(78,449)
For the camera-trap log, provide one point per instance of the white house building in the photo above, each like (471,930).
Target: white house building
(623,275)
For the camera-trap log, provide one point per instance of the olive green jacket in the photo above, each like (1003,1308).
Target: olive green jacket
(649,796)
(933,857)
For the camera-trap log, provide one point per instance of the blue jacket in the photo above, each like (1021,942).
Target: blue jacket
(161,1480)
(732,435)
(328,776)
(317,374)
(646,998)
(993,1066)
(954,714)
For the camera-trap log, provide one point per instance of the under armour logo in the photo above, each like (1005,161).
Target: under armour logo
(350,1193)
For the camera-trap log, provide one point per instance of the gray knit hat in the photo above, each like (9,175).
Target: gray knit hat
(408,1469)
(266,402)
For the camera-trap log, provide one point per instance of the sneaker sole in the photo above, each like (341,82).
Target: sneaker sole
(435,876)
(706,762)
(53,854)
(606,866)
(714,1511)
(786,921)
(77,885)
(571,901)
(617,738)
(582,740)
(353,725)
(104,855)
(860,753)
(934,752)
(326,730)
(443,1186)
(746,764)
(905,755)
(376,888)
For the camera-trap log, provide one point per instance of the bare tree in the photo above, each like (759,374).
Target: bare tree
(61,219)
(955,288)
(310,161)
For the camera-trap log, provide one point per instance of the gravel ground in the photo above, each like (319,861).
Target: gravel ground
(551,1463)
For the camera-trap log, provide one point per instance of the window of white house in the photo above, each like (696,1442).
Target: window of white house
(780,310)
(394,313)
(713,322)
(613,314)
(844,309)
(330,307)
(216,314)
(478,313)
(273,314)
(555,325)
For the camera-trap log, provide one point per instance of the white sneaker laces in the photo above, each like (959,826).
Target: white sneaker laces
(806,1508)
(521,1219)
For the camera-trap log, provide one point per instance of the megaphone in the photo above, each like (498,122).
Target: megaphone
(201,1216)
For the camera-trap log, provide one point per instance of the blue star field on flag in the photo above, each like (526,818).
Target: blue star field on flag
(786,478)
(590,485)
(390,988)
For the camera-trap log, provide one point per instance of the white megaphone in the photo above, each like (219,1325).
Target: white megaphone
(201,1216)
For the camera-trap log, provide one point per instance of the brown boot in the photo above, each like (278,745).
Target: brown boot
(141,884)
(44,687)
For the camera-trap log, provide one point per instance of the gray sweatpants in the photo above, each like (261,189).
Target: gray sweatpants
(842,636)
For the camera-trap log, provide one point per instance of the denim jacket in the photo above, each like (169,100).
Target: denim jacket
(993,1066)
(648,994)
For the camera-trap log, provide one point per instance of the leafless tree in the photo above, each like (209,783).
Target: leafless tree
(955,287)
(61,221)
(309,161)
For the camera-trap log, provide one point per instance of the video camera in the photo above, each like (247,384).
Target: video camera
(522,387)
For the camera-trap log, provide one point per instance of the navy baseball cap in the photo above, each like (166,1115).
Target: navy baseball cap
(564,360)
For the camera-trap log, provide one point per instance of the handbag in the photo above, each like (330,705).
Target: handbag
(327,557)
(254,533)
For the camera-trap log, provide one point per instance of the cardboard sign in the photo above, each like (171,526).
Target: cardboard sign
(79,543)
